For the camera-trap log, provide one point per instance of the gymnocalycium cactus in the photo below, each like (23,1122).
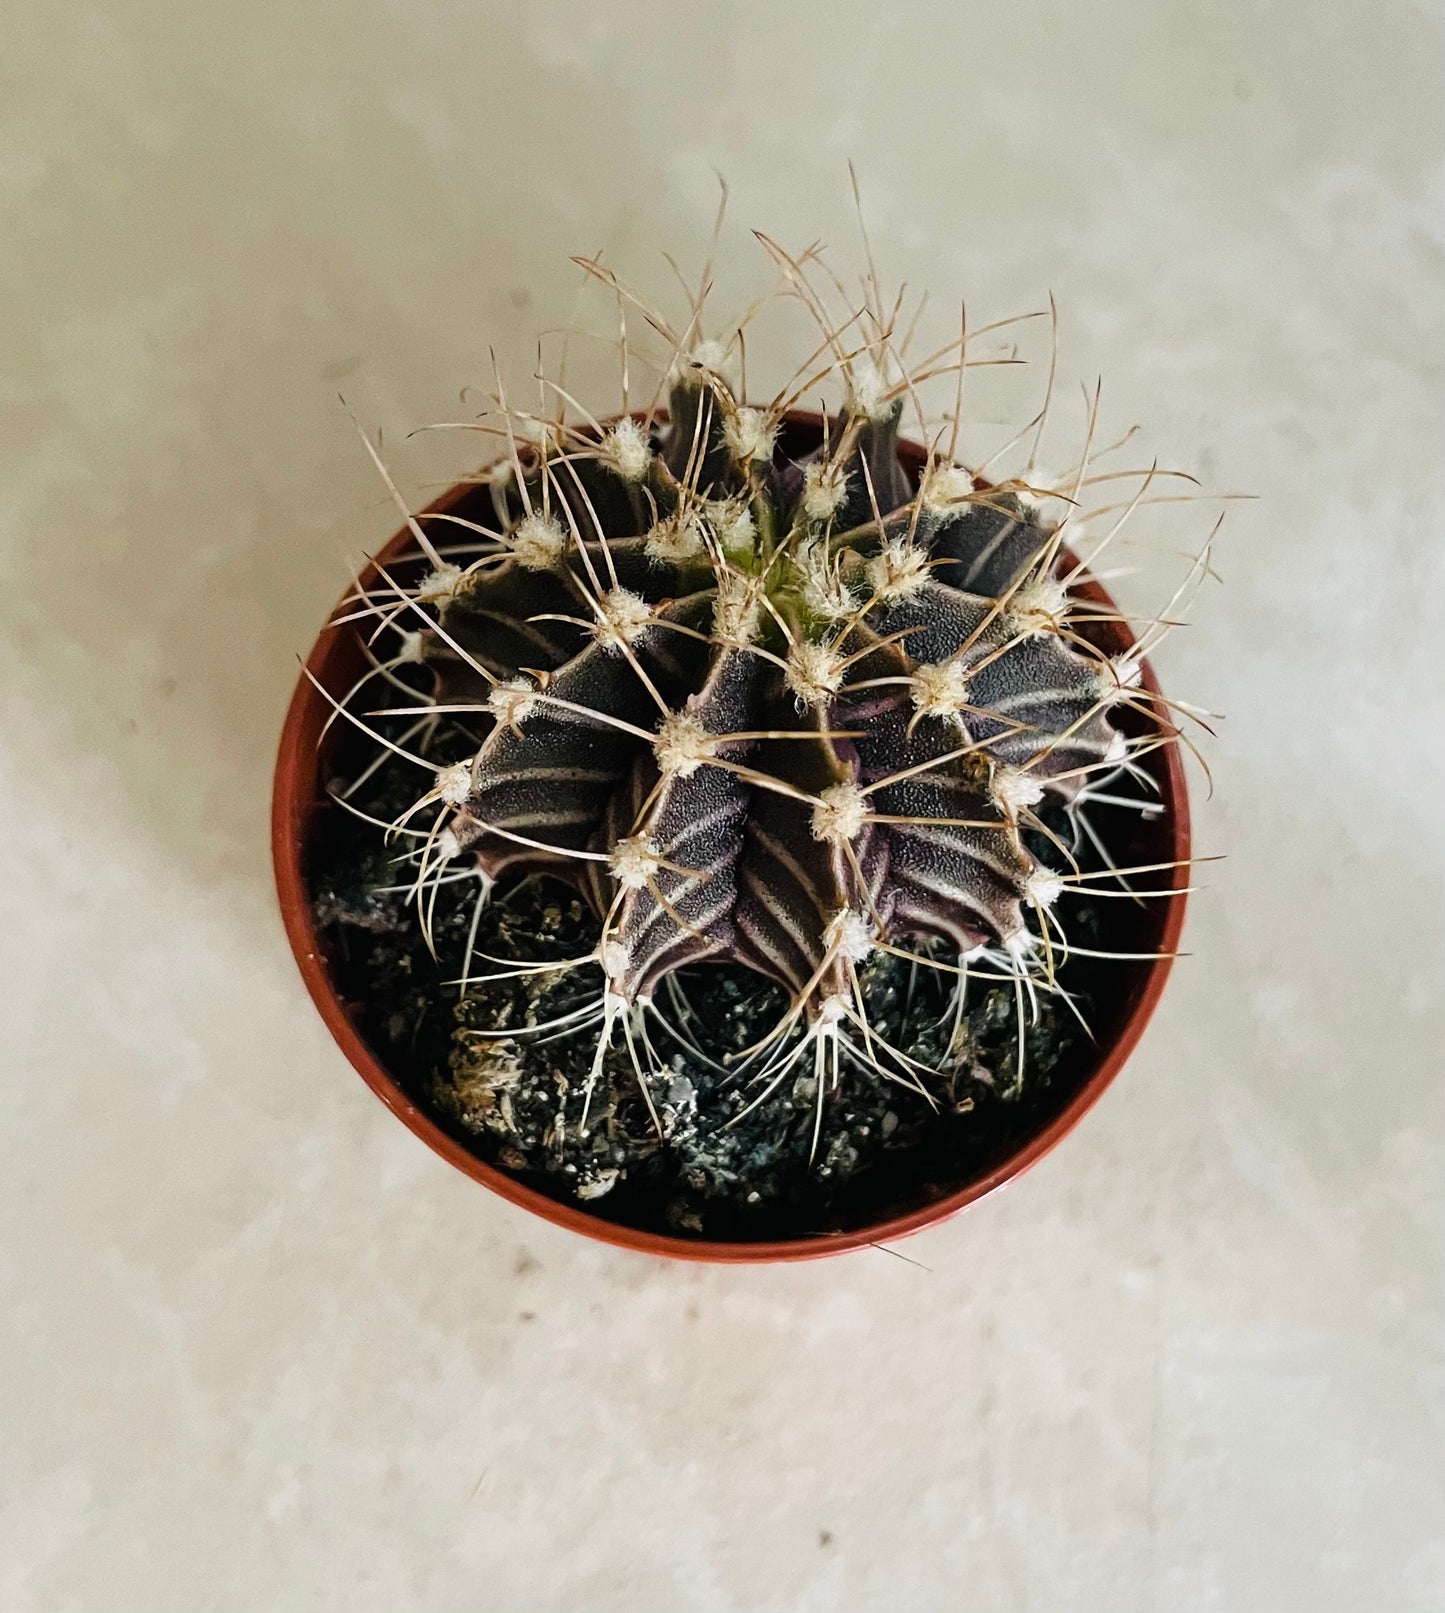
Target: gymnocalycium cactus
(767,707)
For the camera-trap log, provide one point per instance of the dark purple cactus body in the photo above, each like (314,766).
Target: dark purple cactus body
(771,711)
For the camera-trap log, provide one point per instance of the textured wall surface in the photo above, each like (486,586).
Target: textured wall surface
(261,1350)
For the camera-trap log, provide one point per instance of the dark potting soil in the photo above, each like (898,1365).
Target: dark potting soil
(699,1150)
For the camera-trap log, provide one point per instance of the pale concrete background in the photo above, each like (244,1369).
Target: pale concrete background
(260,1349)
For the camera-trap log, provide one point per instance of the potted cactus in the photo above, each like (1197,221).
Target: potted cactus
(736,831)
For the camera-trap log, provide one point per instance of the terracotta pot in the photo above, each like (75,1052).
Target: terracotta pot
(299,804)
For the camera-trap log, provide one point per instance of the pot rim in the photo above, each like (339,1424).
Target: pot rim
(295,797)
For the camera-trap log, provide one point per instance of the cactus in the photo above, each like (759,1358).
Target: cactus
(769,707)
